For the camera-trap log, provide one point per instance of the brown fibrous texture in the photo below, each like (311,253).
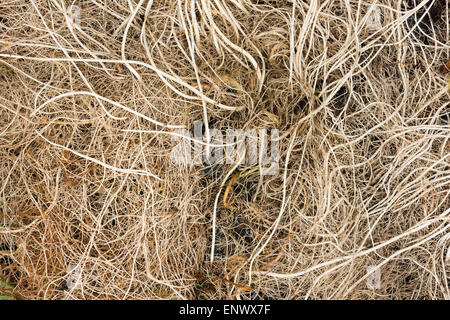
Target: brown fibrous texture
(90,99)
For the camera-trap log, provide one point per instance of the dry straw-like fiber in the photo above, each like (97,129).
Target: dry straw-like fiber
(93,207)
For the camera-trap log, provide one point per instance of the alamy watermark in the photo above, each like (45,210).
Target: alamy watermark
(74,15)
(374,279)
(74,279)
(232,146)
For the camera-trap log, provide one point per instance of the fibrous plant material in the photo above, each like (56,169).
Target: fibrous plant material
(93,95)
